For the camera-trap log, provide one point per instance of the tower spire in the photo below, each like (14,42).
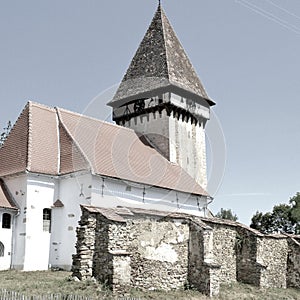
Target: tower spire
(159,63)
(162,98)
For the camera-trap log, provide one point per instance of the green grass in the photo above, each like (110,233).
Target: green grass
(40,283)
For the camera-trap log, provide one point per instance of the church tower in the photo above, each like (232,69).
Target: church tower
(162,98)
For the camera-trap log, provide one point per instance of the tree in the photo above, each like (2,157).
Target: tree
(262,222)
(226,214)
(5,133)
(284,218)
(295,211)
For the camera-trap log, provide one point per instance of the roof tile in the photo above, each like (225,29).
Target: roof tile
(159,62)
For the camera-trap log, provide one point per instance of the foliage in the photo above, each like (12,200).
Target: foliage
(5,133)
(295,211)
(284,218)
(226,214)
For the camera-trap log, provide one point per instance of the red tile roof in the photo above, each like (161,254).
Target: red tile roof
(5,198)
(55,141)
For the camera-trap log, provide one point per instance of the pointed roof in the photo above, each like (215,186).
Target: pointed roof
(54,141)
(159,63)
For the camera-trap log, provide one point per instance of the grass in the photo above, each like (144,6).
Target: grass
(40,283)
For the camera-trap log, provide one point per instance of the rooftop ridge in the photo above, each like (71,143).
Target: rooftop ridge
(93,119)
(41,105)
(29,137)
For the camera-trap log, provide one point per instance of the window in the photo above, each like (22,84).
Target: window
(6,221)
(47,220)
(1,250)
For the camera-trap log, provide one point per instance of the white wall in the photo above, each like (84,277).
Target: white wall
(18,189)
(188,148)
(6,240)
(40,195)
(120,193)
(73,191)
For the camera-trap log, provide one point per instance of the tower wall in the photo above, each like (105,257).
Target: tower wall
(188,148)
(155,126)
(175,128)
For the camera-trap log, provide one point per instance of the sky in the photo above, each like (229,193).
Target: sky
(73,53)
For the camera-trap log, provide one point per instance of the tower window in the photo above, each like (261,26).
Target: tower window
(1,249)
(6,221)
(47,220)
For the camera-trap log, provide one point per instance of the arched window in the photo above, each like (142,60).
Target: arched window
(47,220)
(6,221)
(1,250)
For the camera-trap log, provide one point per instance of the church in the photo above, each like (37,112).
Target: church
(55,161)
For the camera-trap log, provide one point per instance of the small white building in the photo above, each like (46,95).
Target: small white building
(55,160)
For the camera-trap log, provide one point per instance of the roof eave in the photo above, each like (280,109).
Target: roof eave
(171,87)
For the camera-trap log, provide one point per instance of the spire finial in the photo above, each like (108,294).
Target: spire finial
(159,3)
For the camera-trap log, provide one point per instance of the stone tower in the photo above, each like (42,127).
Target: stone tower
(162,98)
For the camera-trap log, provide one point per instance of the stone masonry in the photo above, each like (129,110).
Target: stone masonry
(151,250)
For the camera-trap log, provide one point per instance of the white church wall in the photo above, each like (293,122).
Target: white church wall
(18,189)
(40,196)
(109,192)
(73,191)
(5,240)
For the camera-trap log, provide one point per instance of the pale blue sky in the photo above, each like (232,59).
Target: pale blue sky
(65,53)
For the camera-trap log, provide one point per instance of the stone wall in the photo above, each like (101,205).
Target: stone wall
(293,263)
(272,256)
(151,250)
(159,253)
(247,256)
(248,270)
(224,251)
(85,247)
(203,274)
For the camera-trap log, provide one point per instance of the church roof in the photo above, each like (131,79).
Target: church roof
(55,141)
(159,63)
(6,200)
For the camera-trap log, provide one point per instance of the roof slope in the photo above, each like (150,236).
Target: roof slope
(56,142)
(159,62)
(14,152)
(5,198)
(32,144)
